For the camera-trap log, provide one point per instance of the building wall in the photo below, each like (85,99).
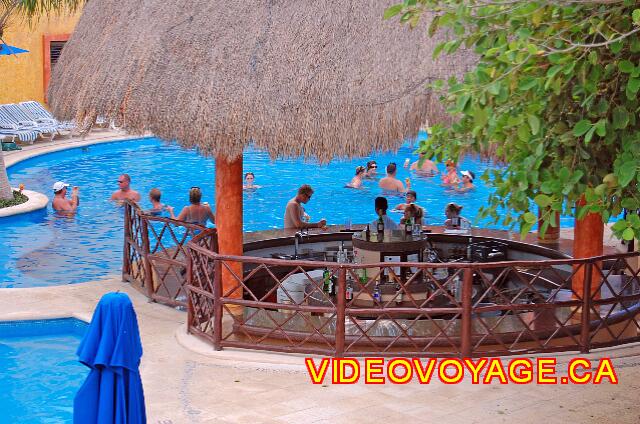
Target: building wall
(22,76)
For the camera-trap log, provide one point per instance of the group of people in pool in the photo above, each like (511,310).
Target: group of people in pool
(423,166)
(296,218)
(197,212)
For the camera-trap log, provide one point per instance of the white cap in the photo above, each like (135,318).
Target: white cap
(59,186)
(468,174)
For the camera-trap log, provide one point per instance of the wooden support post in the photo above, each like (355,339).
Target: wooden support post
(229,219)
(585,329)
(466,348)
(340,311)
(588,236)
(126,257)
(148,270)
(218,311)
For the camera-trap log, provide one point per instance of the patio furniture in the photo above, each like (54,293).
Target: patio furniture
(40,114)
(13,132)
(13,114)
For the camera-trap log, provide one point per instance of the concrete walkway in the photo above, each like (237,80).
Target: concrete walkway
(63,143)
(183,386)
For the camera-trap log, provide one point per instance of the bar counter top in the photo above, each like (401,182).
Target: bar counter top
(257,239)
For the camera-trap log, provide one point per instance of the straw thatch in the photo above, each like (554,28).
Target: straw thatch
(318,78)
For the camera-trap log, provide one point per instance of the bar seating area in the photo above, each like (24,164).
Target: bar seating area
(343,292)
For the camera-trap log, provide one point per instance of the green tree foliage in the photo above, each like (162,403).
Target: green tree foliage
(33,9)
(554,95)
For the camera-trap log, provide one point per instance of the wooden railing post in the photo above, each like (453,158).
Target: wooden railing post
(217,304)
(148,273)
(467,306)
(340,311)
(585,331)
(186,288)
(126,259)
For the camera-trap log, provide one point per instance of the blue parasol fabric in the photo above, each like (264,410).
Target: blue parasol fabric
(6,49)
(111,348)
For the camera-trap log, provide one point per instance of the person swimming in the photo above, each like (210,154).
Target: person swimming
(196,212)
(249,179)
(410,198)
(467,181)
(450,177)
(157,207)
(427,168)
(356,181)
(372,170)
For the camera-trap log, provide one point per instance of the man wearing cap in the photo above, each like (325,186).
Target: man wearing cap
(125,192)
(467,181)
(60,202)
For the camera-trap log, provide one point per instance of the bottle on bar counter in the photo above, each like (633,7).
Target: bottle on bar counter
(361,272)
(380,228)
(326,281)
(349,292)
(408,227)
(367,233)
(417,230)
(399,294)
(377,296)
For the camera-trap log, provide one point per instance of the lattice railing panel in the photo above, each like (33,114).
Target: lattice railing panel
(419,309)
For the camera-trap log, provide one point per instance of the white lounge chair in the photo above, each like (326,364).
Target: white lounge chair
(13,114)
(11,132)
(40,114)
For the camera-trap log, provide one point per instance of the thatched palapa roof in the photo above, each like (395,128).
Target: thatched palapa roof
(318,78)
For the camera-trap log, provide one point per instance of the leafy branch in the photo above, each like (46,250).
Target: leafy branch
(554,96)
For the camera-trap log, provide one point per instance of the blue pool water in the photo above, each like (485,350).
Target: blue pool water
(39,371)
(45,249)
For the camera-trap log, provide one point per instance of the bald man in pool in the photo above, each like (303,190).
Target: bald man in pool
(125,192)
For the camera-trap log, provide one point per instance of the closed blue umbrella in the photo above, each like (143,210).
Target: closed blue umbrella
(7,49)
(111,348)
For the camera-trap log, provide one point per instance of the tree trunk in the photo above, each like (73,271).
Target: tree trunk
(5,188)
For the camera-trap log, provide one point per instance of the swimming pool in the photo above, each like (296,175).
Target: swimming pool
(39,370)
(43,249)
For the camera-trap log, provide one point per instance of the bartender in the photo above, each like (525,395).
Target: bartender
(294,214)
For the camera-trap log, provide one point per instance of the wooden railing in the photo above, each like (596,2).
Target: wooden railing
(155,254)
(477,309)
(444,309)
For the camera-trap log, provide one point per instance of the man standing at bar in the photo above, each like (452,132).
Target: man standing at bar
(294,213)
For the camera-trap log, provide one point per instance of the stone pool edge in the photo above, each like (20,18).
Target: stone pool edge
(35,202)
